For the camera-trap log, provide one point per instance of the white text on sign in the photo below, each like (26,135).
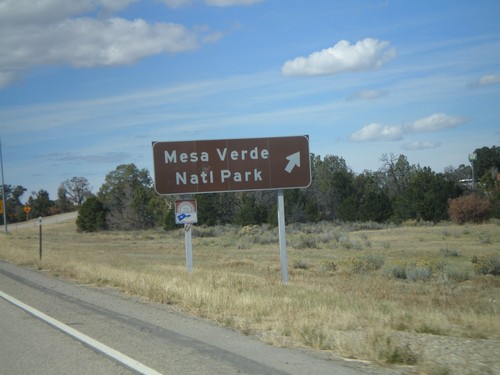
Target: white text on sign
(193,157)
(182,178)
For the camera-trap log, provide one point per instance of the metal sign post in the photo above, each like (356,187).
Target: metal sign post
(4,199)
(40,224)
(186,213)
(189,247)
(473,157)
(27,210)
(282,236)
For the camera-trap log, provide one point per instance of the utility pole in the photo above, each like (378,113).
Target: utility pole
(4,206)
(473,157)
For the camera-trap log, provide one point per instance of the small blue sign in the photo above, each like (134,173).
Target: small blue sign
(182,217)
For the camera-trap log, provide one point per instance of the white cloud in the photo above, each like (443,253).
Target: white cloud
(489,79)
(378,132)
(432,123)
(367,95)
(29,12)
(6,78)
(435,122)
(366,54)
(113,5)
(486,80)
(87,42)
(84,34)
(212,37)
(414,146)
(51,32)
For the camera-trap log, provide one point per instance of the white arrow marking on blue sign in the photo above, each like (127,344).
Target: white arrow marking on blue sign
(182,217)
(293,161)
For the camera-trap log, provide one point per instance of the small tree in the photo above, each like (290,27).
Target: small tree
(470,208)
(74,191)
(40,203)
(250,212)
(168,220)
(14,207)
(126,194)
(91,215)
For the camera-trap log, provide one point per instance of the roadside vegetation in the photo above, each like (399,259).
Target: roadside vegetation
(419,293)
(397,266)
(395,193)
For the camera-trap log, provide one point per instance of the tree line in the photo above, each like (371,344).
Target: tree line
(397,192)
(71,195)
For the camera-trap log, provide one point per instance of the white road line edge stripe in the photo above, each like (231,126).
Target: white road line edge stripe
(110,352)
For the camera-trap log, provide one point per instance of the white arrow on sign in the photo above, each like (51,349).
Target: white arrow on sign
(293,161)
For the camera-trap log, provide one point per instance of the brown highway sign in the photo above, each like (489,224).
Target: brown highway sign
(231,165)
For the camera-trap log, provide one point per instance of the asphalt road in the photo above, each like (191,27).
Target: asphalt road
(152,335)
(28,346)
(70,216)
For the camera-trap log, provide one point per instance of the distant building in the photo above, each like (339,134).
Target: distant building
(467,182)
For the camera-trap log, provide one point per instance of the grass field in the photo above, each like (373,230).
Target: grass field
(381,293)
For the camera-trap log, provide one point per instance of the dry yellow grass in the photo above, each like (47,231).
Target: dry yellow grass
(345,294)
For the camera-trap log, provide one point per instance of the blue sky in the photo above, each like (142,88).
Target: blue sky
(87,85)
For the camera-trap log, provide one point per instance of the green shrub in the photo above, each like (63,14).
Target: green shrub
(300,264)
(418,274)
(328,266)
(339,236)
(456,274)
(91,215)
(396,271)
(486,264)
(485,239)
(363,264)
(307,242)
(351,245)
(449,253)
(204,231)
(244,243)
(266,238)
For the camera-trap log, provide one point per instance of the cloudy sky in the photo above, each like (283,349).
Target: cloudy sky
(87,85)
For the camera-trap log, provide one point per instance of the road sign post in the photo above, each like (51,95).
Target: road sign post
(191,167)
(282,236)
(40,237)
(186,213)
(4,200)
(27,210)
(473,157)
(189,247)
